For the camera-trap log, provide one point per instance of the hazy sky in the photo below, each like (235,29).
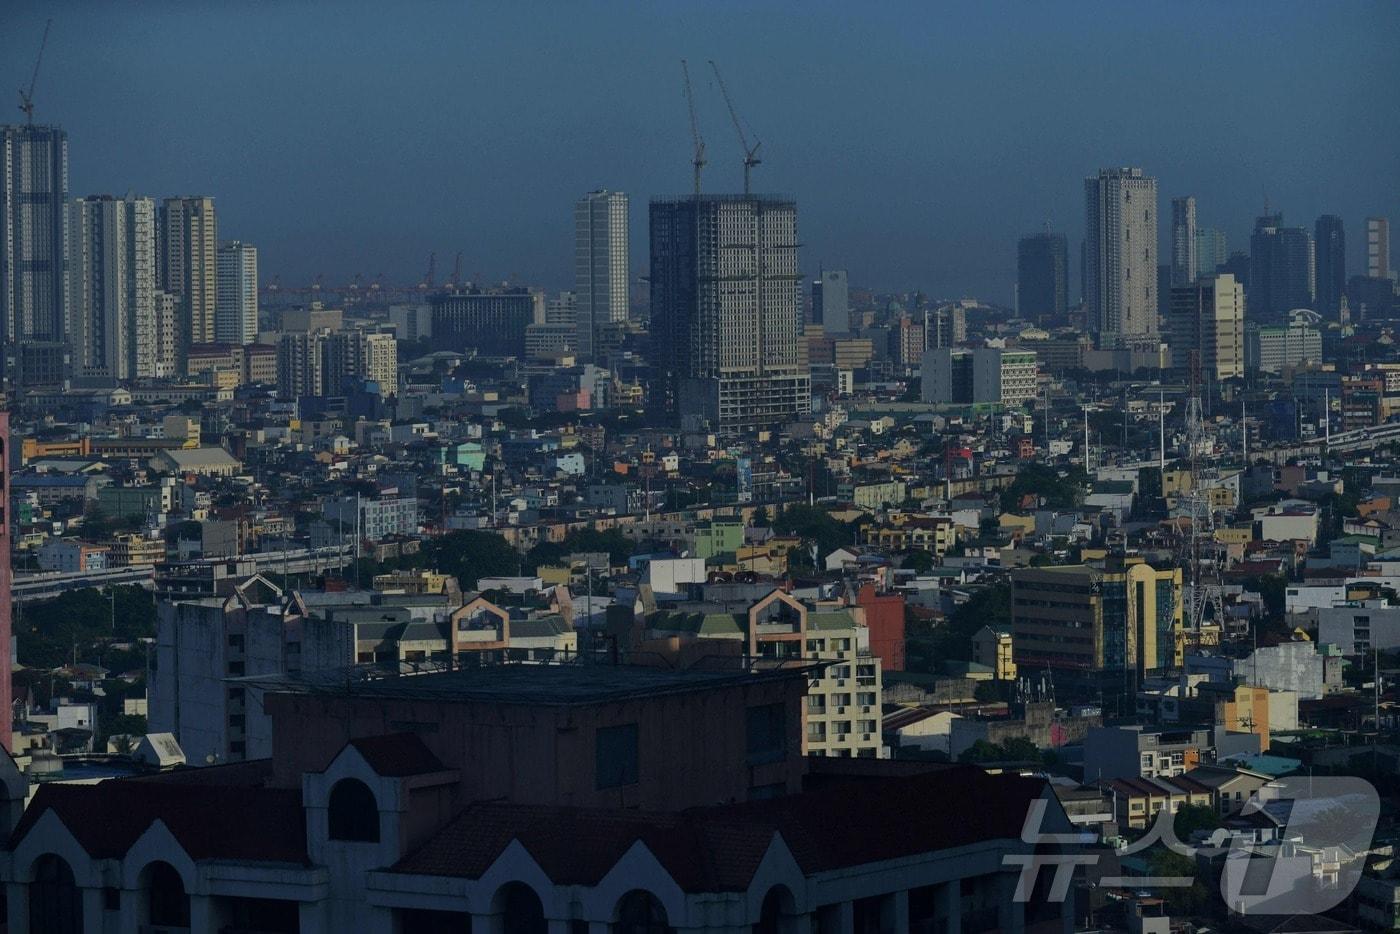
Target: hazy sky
(920,139)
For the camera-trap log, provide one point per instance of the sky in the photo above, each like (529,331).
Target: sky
(919,139)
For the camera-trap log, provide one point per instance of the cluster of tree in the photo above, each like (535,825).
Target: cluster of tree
(1016,749)
(927,644)
(816,525)
(1046,483)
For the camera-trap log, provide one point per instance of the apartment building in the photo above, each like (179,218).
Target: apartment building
(842,715)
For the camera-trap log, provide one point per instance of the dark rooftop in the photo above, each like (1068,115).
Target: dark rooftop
(546,684)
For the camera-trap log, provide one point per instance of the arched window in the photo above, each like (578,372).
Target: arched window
(353,814)
(640,912)
(774,917)
(167,904)
(520,909)
(55,904)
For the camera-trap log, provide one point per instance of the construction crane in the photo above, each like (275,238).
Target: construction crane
(751,158)
(26,98)
(456,279)
(428,277)
(699,160)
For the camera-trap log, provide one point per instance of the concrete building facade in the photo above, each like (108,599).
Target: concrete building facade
(1120,256)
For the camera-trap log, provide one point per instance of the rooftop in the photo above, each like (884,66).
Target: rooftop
(543,684)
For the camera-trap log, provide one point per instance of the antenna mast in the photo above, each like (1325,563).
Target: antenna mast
(26,98)
(751,158)
(699,159)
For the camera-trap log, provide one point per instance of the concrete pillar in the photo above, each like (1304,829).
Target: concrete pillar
(314,917)
(1011,914)
(949,900)
(845,917)
(17,907)
(93,920)
(598,927)
(133,913)
(558,926)
(486,922)
(899,912)
(204,915)
(801,924)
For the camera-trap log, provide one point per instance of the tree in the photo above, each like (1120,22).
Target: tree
(921,562)
(1193,817)
(1045,482)
(817,525)
(760,520)
(470,555)
(1182,900)
(1020,749)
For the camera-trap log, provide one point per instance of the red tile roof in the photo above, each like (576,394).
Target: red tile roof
(210,821)
(719,848)
(396,755)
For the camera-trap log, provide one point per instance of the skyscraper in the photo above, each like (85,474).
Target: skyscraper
(100,322)
(236,300)
(1378,247)
(725,311)
(1042,276)
(1212,250)
(33,237)
(601,266)
(1120,263)
(1183,241)
(1280,269)
(831,301)
(1207,318)
(189,241)
(1329,250)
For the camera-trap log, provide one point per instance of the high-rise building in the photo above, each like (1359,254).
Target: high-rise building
(1276,347)
(1183,241)
(1212,250)
(236,299)
(322,363)
(166,362)
(33,238)
(1042,276)
(100,319)
(601,266)
(1207,319)
(831,301)
(981,376)
(1120,264)
(1378,247)
(725,311)
(1330,256)
(189,243)
(111,289)
(490,321)
(1280,269)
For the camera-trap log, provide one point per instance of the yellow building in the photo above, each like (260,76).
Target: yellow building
(1121,617)
(994,649)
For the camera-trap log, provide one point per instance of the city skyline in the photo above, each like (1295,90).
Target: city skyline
(947,231)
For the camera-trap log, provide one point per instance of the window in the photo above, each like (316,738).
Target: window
(766,730)
(640,912)
(55,904)
(353,814)
(166,901)
(615,749)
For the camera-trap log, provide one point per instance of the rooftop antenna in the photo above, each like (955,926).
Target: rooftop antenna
(699,159)
(751,158)
(26,98)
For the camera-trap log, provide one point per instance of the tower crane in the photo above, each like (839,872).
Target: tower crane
(428,277)
(456,279)
(699,159)
(751,158)
(26,98)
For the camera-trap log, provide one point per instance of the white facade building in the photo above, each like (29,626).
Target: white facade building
(601,266)
(1120,255)
(236,304)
